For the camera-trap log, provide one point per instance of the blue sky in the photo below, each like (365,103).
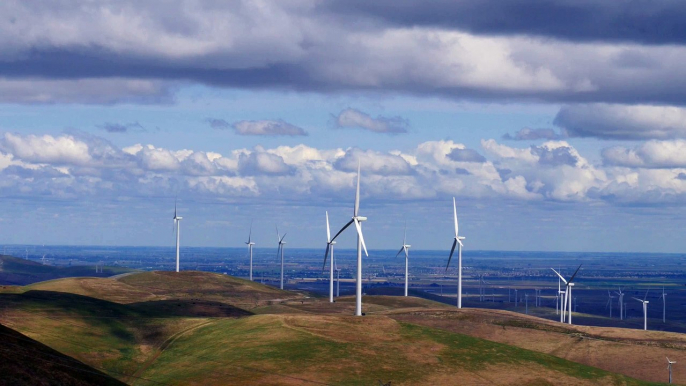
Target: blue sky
(566,132)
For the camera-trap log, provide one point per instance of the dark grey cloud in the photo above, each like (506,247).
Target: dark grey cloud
(612,121)
(527,134)
(466,155)
(121,127)
(555,156)
(647,22)
(356,119)
(217,123)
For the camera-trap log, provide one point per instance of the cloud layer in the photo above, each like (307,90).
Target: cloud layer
(352,118)
(73,166)
(105,52)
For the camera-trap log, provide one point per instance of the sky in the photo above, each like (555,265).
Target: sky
(555,125)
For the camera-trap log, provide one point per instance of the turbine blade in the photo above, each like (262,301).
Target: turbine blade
(460,242)
(342,229)
(284,236)
(357,192)
(455,216)
(407,253)
(328,229)
(278,251)
(405,239)
(560,276)
(359,233)
(452,250)
(278,237)
(575,272)
(401,249)
(326,254)
(250,234)
(646,297)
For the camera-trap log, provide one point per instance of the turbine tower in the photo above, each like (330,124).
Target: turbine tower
(357,219)
(664,305)
(458,240)
(177,223)
(567,302)
(329,248)
(621,303)
(669,366)
(609,302)
(645,310)
(280,249)
(405,248)
(250,243)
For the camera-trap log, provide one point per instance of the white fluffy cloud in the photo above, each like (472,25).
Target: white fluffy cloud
(73,166)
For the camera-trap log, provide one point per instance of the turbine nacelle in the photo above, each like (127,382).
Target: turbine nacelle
(249,243)
(360,218)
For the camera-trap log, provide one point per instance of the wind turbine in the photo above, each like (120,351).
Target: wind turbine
(621,303)
(280,249)
(669,366)
(357,220)
(249,243)
(177,223)
(329,247)
(338,279)
(568,294)
(458,240)
(664,307)
(43,260)
(609,302)
(405,248)
(645,310)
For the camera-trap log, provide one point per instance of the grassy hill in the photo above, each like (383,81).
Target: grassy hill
(23,361)
(204,328)
(344,350)
(16,271)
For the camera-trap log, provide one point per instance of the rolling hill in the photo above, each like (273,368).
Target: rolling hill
(16,271)
(204,328)
(23,361)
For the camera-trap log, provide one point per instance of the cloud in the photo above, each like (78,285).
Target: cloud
(608,121)
(267,128)
(121,127)
(527,134)
(651,154)
(46,149)
(216,123)
(260,162)
(594,20)
(466,155)
(373,162)
(352,118)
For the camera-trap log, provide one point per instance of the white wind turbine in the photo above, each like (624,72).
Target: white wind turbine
(405,248)
(458,240)
(645,309)
(329,248)
(357,219)
(664,305)
(177,224)
(669,366)
(280,249)
(621,303)
(567,302)
(250,243)
(609,302)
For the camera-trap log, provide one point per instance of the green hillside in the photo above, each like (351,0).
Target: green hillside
(23,361)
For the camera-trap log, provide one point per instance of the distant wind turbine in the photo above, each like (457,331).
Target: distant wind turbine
(609,302)
(645,309)
(250,243)
(43,259)
(567,307)
(664,305)
(405,248)
(280,249)
(458,240)
(669,366)
(621,303)
(357,220)
(329,249)
(177,223)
